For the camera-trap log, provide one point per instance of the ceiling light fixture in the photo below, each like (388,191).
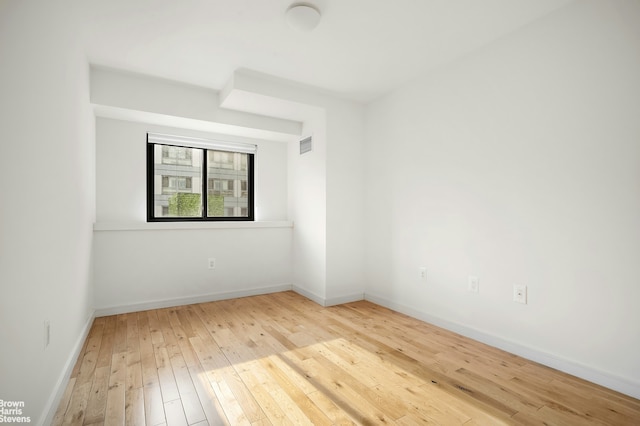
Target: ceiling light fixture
(303,16)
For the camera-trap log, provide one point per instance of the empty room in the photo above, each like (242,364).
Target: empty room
(266,212)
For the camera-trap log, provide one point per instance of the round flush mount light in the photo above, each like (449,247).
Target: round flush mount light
(303,17)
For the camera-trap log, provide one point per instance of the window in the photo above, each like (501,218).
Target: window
(194,179)
(172,184)
(176,155)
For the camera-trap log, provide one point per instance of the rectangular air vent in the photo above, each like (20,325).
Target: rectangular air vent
(306,145)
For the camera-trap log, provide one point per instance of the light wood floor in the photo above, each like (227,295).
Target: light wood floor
(281,359)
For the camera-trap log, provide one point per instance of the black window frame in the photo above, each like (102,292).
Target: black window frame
(204,190)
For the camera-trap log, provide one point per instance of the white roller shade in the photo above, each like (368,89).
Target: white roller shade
(201,143)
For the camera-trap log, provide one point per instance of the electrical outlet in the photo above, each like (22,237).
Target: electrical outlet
(212,263)
(473,284)
(47,333)
(422,273)
(520,294)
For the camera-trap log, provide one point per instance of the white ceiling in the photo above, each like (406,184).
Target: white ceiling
(360,50)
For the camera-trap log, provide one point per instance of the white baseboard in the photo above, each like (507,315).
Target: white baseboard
(344,299)
(309,295)
(568,366)
(203,298)
(54,400)
(323,301)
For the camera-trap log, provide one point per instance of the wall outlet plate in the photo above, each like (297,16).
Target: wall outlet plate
(473,284)
(47,333)
(422,273)
(520,294)
(212,263)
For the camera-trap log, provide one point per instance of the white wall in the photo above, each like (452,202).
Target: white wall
(121,171)
(326,200)
(308,210)
(140,267)
(519,164)
(345,202)
(47,208)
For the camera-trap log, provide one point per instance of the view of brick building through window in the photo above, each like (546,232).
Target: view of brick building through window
(178,182)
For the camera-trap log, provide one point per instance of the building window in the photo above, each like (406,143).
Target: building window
(176,155)
(171,184)
(193,179)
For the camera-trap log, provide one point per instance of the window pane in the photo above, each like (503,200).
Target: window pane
(177,181)
(227,183)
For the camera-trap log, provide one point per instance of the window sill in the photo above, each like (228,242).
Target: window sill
(155,226)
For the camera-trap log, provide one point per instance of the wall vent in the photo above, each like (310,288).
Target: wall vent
(306,145)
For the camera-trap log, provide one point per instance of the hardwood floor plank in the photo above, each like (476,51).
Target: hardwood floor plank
(148,364)
(347,357)
(269,406)
(188,354)
(175,414)
(211,358)
(330,409)
(181,372)
(134,407)
(411,420)
(388,404)
(486,367)
(497,391)
(282,359)
(188,394)
(168,383)
(208,399)
(262,422)
(606,409)
(106,347)
(134,370)
(115,410)
(153,405)
(343,396)
(286,404)
(426,405)
(232,409)
(243,396)
(594,391)
(209,317)
(64,402)
(195,320)
(133,334)
(74,415)
(182,317)
(192,407)
(120,337)
(235,351)
(558,415)
(296,371)
(286,379)
(96,404)
(147,357)
(90,357)
(76,367)
(167,330)
(440,404)
(155,328)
